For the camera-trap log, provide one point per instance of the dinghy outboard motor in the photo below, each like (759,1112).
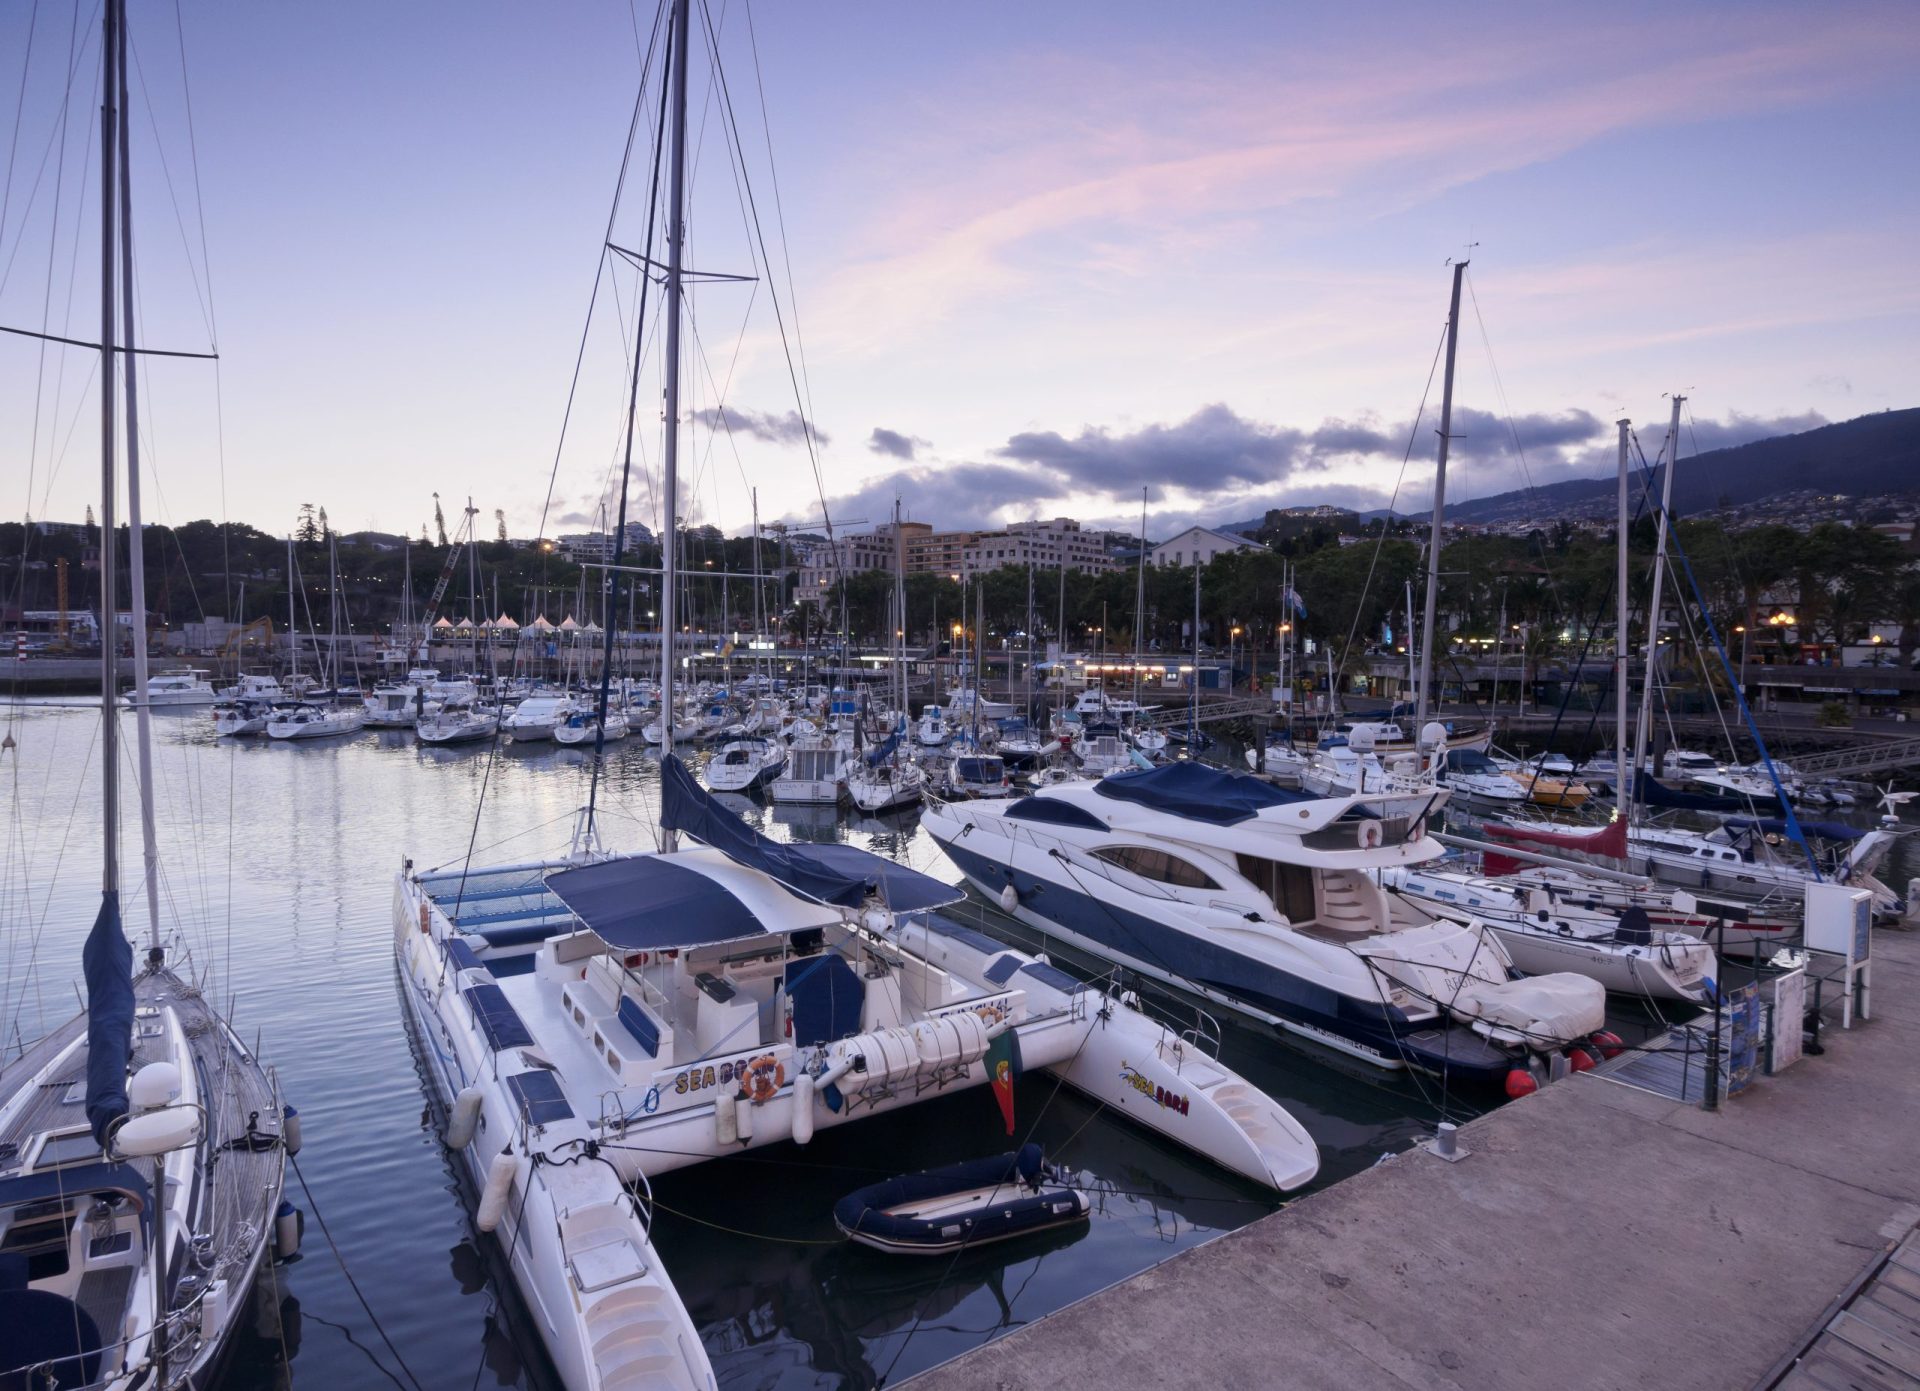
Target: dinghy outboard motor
(1031,1165)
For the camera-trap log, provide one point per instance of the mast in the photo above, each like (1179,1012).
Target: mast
(759,636)
(900,610)
(136,538)
(1193,700)
(1644,727)
(1439,512)
(293,632)
(670,468)
(1140,601)
(1620,673)
(109,637)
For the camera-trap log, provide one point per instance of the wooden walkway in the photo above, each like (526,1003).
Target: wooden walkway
(1873,1342)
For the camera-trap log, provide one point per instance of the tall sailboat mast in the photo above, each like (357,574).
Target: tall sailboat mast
(1644,728)
(1620,656)
(1140,599)
(670,468)
(900,612)
(109,580)
(136,540)
(1428,623)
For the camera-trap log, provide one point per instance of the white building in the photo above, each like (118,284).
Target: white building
(594,547)
(827,562)
(1198,545)
(1055,544)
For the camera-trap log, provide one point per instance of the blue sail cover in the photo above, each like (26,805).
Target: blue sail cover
(1650,791)
(839,874)
(1197,792)
(107,960)
(1773,826)
(883,752)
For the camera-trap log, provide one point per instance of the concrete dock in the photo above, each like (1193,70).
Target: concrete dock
(1597,1236)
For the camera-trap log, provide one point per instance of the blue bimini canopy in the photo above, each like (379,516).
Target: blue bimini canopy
(1197,792)
(838,874)
(652,903)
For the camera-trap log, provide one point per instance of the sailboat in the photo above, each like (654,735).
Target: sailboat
(142,1143)
(590,1021)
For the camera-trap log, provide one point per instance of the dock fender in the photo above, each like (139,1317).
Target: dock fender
(499,1186)
(464,1118)
(803,1108)
(1009,896)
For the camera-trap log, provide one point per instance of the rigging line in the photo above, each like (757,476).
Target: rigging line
(193,154)
(612,579)
(166,171)
(806,423)
(66,100)
(19,110)
(46,297)
(1413,435)
(779,212)
(600,269)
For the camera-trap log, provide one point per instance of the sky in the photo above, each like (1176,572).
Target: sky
(1010,260)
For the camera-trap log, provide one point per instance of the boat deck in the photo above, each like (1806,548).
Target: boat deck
(1595,1236)
(239,1187)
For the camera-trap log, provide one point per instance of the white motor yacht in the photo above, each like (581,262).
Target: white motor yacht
(535,718)
(1472,776)
(734,994)
(181,686)
(933,730)
(745,765)
(977,775)
(1264,901)
(814,773)
(255,686)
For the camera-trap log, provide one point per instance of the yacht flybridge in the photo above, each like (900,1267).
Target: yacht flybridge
(664,1008)
(1266,901)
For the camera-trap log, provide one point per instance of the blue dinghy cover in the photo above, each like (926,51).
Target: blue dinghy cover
(107,960)
(843,875)
(1197,792)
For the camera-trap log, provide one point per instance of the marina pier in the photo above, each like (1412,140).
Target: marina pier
(1595,1235)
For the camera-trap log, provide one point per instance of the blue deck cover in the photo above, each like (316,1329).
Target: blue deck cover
(635,1019)
(539,1097)
(498,1019)
(1056,810)
(839,874)
(653,903)
(1197,793)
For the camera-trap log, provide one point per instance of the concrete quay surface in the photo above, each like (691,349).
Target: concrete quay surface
(1597,1236)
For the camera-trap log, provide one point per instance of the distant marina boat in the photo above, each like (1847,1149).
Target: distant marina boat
(179,687)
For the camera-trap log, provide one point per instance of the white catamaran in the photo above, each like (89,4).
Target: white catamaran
(590,1021)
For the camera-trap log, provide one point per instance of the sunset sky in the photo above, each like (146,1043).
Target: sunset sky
(1040,255)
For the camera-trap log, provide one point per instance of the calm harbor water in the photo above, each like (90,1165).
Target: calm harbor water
(277,865)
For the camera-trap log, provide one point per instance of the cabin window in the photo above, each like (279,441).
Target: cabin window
(1290,887)
(1157,865)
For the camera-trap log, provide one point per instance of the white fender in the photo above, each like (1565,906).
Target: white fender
(742,1119)
(1009,898)
(286,1231)
(290,1129)
(464,1118)
(493,1198)
(726,1120)
(803,1108)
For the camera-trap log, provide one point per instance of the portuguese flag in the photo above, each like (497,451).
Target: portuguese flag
(1003,1066)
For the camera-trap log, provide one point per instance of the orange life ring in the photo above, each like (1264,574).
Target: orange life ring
(764,1077)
